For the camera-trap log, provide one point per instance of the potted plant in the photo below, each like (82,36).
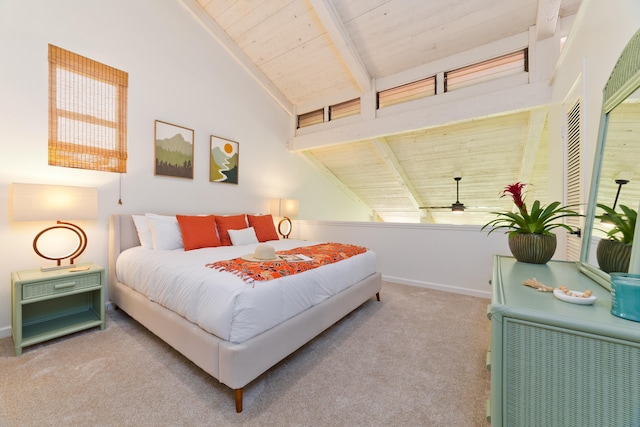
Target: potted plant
(530,236)
(614,252)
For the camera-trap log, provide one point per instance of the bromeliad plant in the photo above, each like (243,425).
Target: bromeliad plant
(540,219)
(624,224)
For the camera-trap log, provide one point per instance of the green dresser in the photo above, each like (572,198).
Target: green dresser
(50,304)
(557,364)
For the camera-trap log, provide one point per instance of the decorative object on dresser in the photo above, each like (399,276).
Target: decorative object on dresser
(173,150)
(530,237)
(614,252)
(39,202)
(284,208)
(50,304)
(533,248)
(224,160)
(625,296)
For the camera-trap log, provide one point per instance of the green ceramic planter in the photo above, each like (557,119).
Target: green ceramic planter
(613,256)
(533,248)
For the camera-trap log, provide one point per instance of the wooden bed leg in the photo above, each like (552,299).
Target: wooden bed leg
(378,296)
(238,393)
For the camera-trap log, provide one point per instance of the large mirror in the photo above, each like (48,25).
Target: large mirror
(616,174)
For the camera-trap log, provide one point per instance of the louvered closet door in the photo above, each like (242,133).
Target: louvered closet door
(574,177)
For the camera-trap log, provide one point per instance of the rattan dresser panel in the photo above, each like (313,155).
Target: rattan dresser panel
(557,377)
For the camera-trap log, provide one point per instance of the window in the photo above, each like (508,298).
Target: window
(344,109)
(408,92)
(87,113)
(311,118)
(506,65)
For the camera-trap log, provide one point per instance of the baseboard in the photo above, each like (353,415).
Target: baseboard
(5,332)
(437,286)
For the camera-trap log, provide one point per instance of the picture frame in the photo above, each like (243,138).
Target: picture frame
(173,150)
(224,160)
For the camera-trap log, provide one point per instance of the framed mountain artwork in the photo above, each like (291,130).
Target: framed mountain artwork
(173,150)
(224,157)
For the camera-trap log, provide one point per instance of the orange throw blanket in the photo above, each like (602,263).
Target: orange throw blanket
(321,254)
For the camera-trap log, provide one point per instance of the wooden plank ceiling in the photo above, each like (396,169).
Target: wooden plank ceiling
(306,51)
(430,158)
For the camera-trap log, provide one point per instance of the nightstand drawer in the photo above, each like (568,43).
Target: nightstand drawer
(60,286)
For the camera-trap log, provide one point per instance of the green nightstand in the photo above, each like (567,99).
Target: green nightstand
(50,304)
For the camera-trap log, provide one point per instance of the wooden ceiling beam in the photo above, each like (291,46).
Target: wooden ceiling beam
(383,148)
(547,18)
(218,33)
(338,34)
(537,121)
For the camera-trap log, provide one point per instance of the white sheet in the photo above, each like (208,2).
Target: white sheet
(220,302)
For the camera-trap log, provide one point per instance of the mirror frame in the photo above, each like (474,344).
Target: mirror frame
(623,81)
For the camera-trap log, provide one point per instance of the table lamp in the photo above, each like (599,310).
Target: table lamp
(39,202)
(285,208)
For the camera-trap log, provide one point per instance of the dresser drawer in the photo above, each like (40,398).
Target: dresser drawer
(60,286)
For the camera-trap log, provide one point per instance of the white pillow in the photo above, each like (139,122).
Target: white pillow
(165,232)
(144,232)
(246,236)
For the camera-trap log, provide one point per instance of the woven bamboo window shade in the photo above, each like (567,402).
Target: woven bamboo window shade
(87,113)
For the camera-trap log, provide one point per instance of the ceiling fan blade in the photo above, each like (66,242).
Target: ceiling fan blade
(466,208)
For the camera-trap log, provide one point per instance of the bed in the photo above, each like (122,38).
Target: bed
(236,354)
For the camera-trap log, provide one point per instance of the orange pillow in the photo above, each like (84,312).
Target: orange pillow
(230,222)
(198,231)
(263,224)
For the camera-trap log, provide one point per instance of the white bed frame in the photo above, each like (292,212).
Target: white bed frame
(235,365)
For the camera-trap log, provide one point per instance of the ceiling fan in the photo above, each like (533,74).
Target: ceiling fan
(457,206)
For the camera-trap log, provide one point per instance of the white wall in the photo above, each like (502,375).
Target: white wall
(178,74)
(447,257)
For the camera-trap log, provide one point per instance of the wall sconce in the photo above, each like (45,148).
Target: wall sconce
(36,202)
(285,208)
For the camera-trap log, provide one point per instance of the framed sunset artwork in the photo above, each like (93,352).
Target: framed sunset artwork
(224,156)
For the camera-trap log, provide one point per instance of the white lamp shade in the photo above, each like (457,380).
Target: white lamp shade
(284,207)
(38,202)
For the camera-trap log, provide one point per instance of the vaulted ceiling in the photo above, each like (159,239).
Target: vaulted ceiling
(309,54)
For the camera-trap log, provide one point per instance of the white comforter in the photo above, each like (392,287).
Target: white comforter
(223,304)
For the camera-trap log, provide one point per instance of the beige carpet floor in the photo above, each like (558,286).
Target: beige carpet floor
(417,358)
